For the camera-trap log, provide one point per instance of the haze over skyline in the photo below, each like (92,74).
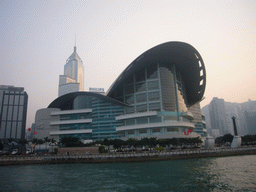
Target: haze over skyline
(38,36)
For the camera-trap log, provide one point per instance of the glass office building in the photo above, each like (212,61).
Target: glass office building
(13,112)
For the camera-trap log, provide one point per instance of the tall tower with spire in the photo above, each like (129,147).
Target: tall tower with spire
(73,78)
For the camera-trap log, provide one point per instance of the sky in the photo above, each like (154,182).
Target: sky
(37,36)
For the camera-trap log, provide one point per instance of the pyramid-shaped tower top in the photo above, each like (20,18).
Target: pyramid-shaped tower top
(74,56)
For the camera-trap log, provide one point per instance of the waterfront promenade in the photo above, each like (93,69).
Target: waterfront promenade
(127,157)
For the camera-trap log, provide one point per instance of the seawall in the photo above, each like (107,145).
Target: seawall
(127,157)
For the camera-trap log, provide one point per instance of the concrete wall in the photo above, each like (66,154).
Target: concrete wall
(78,150)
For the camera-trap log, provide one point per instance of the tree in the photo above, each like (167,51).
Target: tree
(40,142)
(23,142)
(228,138)
(46,140)
(219,141)
(132,142)
(1,145)
(52,143)
(71,142)
(174,142)
(34,143)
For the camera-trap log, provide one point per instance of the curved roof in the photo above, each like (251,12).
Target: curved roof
(69,98)
(185,57)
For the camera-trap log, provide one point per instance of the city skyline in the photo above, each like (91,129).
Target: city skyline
(38,36)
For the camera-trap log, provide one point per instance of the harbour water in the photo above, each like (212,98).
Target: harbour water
(235,173)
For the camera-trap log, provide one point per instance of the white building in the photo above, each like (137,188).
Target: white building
(73,78)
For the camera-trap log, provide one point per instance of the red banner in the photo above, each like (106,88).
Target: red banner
(186,133)
(190,130)
(29,129)
(34,133)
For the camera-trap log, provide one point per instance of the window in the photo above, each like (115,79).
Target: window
(6,99)
(16,99)
(141,98)
(140,87)
(154,107)
(152,96)
(152,85)
(11,99)
(143,131)
(22,100)
(129,99)
(20,113)
(10,112)
(142,120)
(155,119)
(130,110)
(130,122)
(141,108)
(131,132)
(156,130)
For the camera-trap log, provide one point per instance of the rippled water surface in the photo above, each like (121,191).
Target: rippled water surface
(210,174)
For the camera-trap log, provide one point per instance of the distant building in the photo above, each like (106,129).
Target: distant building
(13,112)
(73,78)
(217,113)
(250,117)
(219,117)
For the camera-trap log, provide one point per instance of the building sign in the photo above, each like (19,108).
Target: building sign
(93,89)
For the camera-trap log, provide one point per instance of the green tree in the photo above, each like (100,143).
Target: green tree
(22,143)
(34,142)
(118,143)
(52,142)
(228,138)
(71,142)
(132,142)
(219,141)
(174,142)
(1,145)
(46,140)
(40,142)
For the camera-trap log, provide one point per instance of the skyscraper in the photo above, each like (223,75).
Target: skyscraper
(73,78)
(218,117)
(13,112)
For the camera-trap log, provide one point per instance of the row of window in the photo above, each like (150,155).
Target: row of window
(141,132)
(12,113)
(11,129)
(13,99)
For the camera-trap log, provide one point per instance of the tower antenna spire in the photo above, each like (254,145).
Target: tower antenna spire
(75,44)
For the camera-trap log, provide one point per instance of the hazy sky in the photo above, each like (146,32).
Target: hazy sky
(38,36)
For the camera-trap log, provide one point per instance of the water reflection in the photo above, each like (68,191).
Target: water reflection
(211,174)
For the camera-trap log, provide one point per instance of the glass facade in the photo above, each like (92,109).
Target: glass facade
(104,122)
(157,87)
(102,115)
(13,112)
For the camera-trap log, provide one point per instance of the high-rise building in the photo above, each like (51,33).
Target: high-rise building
(218,117)
(13,112)
(219,114)
(73,78)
